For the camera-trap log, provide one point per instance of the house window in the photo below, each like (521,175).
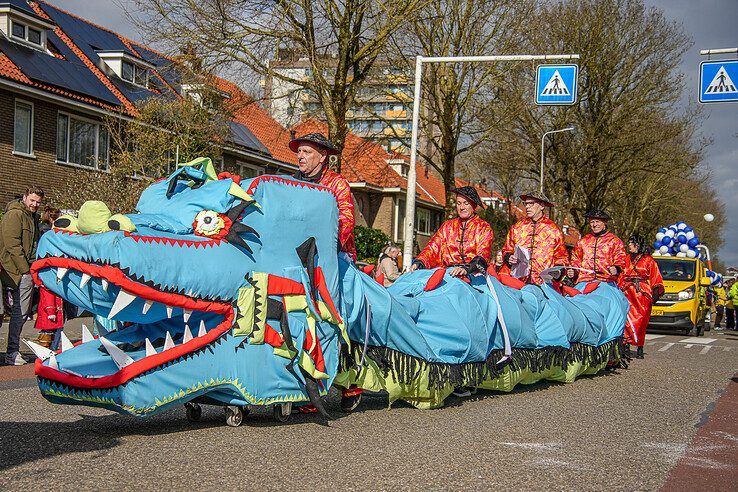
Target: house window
(142,77)
(127,71)
(423,221)
(247,171)
(82,142)
(19,30)
(23,128)
(34,36)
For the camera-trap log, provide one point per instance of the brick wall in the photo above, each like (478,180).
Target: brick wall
(19,172)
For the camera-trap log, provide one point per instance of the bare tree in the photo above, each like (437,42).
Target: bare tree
(341,39)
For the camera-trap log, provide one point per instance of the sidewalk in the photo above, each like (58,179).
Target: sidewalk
(73,329)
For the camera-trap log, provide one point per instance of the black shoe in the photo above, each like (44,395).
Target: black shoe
(461,392)
(349,403)
(639,353)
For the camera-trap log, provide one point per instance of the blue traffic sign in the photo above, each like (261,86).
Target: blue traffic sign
(556,84)
(718,81)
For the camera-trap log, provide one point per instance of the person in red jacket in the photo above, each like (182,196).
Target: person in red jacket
(600,255)
(642,284)
(313,151)
(464,243)
(539,235)
(49,319)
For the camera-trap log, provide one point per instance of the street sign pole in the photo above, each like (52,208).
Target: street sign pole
(718,78)
(409,232)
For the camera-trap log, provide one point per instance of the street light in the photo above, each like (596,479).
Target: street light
(543,154)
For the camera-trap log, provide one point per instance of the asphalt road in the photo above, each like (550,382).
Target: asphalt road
(621,431)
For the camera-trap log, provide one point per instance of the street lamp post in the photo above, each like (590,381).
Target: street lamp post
(543,153)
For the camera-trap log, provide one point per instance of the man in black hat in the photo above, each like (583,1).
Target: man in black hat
(600,255)
(313,151)
(463,244)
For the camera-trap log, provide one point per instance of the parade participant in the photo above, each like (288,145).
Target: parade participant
(387,270)
(642,285)
(721,299)
(600,255)
(312,152)
(540,235)
(464,243)
(501,267)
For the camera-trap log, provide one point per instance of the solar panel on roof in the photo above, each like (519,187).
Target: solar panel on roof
(60,73)
(242,136)
(20,5)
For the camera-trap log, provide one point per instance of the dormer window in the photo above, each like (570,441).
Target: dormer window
(205,96)
(400,166)
(23,27)
(126,67)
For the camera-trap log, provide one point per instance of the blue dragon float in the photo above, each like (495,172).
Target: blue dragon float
(232,292)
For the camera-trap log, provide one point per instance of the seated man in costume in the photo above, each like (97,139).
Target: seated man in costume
(462,244)
(600,255)
(313,151)
(539,235)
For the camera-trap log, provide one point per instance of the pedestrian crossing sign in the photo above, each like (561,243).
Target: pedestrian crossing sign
(556,84)
(719,81)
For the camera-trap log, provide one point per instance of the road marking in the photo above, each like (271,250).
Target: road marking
(689,345)
(666,347)
(651,343)
(726,349)
(705,349)
(702,340)
(649,336)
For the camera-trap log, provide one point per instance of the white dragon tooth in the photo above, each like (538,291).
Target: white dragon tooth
(121,302)
(39,350)
(150,350)
(66,344)
(186,314)
(168,342)
(187,334)
(52,362)
(86,335)
(120,358)
(147,306)
(203,331)
(85,278)
(61,273)
(169,311)
(105,284)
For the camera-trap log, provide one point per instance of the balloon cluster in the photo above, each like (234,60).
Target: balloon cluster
(676,240)
(716,279)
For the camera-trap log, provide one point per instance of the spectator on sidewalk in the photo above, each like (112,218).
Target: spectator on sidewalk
(50,312)
(18,239)
(387,269)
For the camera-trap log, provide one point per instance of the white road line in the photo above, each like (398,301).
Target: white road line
(705,349)
(689,345)
(726,349)
(702,340)
(666,347)
(650,336)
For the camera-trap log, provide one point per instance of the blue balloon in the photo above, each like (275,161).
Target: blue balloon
(693,242)
(656,244)
(688,229)
(666,240)
(682,238)
(662,229)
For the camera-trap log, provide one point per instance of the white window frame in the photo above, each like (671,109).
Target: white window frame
(41,45)
(98,125)
(240,165)
(30,140)
(428,221)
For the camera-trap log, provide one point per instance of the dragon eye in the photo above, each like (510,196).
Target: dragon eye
(210,224)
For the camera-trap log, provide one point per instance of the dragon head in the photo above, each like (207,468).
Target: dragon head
(216,283)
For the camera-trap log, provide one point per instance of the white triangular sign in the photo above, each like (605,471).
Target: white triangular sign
(721,83)
(555,86)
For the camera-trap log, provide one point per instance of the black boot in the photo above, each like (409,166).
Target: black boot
(639,353)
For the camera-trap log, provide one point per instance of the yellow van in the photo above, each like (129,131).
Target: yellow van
(683,306)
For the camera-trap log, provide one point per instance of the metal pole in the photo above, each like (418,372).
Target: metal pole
(409,236)
(720,51)
(409,233)
(543,153)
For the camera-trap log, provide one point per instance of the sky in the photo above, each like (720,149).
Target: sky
(710,23)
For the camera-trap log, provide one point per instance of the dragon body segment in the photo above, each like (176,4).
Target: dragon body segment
(234,291)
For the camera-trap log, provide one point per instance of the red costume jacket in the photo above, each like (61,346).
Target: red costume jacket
(458,242)
(50,314)
(544,241)
(640,278)
(597,253)
(346,221)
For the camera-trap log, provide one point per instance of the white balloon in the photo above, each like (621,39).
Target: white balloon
(684,248)
(690,235)
(659,236)
(681,255)
(664,249)
(666,254)
(709,217)
(691,254)
(681,226)
(670,233)
(656,252)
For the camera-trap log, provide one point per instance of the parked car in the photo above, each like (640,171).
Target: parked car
(683,306)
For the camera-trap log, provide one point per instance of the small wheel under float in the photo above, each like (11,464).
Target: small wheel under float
(234,415)
(194,411)
(282,411)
